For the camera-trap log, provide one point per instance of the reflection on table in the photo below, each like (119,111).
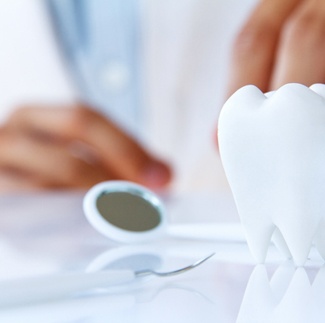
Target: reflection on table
(47,234)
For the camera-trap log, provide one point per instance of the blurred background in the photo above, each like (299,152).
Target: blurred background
(183,48)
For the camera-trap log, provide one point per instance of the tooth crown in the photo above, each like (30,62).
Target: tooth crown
(273,151)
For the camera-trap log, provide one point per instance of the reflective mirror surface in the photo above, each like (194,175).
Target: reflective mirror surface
(128,211)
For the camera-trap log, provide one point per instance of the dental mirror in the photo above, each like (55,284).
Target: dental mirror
(124,211)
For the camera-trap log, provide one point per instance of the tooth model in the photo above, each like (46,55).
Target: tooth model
(272,148)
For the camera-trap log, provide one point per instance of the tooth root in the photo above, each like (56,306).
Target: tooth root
(258,238)
(299,237)
(280,243)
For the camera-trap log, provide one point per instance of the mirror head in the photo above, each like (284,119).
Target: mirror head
(125,211)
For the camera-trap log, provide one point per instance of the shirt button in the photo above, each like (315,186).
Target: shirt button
(114,76)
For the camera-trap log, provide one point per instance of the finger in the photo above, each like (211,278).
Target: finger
(117,151)
(10,181)
(46,165)
(255,46)
(301,50)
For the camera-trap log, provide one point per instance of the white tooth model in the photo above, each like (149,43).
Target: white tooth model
(272,148)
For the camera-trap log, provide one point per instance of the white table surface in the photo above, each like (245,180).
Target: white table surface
(46,234)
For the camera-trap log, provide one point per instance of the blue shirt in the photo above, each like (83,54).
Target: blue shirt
(100,42)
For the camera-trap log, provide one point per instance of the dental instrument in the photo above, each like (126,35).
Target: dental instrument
(51,287)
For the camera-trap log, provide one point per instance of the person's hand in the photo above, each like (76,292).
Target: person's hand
(71,147)
(283,41)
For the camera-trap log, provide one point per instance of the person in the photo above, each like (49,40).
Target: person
(281,42)
(79,144)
